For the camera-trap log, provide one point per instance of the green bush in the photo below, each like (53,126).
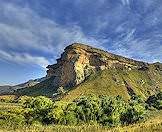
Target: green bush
(155,101)
(24,100)
(8,98)
(134,113)
(112,110)
(12,119)
(38,108)
(56,115)
(90,109)
(70,114)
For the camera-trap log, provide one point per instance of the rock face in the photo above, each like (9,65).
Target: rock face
(79,61)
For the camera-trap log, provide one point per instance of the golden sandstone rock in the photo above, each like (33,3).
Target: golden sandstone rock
(78,61)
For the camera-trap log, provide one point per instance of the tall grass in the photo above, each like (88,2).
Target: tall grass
(145,127)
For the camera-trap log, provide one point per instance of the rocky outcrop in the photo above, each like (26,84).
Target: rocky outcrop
(79,61)
(120,75)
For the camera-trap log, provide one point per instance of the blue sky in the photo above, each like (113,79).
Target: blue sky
(33,33)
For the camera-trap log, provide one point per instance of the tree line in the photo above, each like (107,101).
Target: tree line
(90,109)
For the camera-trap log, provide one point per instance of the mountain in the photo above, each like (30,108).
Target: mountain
(11,89)
(82,69)
(6,89)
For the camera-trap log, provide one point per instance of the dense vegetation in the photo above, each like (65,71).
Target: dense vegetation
(155,101)
(104,111)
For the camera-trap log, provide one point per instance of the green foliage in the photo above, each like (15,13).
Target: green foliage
(56,115)
(135,112)
(91,109)
(112,110)
(70,118)
(155,101)
(25,100)
(37,109)
(88,108)
(40,103)
(12,117)
(105,110)
(7,98)
(70,115)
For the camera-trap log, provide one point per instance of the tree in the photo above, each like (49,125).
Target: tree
(57,114)
(155,101)
(112,110)
(71,114)
(88,108)
(25,100)
(38,109)
(135,112)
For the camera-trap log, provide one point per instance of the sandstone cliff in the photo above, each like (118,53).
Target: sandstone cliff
(79,61)
(82,69)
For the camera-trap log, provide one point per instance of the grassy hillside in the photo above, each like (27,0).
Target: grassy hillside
(44,88)
(115,82)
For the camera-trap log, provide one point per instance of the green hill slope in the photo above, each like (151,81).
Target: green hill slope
(45,88)
(120,82)
(107,82)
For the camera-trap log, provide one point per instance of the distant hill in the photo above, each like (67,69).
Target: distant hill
(82,69)
(11,89)
(6,89)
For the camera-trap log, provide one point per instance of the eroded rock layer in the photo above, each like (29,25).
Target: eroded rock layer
(78,61)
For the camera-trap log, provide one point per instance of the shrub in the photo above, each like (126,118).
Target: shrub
(12,119)
(38,109)
(88,108)
(91,109)
(135,111)
(155,101)
(56,115)
(71,114)
(7,98)
(25,100)
(112,110)
(70,118)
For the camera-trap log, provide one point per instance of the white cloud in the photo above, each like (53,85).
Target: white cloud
(23,29)
(141,48)
(24,58)
(125,2)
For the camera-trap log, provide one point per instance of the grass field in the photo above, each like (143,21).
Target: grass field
(151,126)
